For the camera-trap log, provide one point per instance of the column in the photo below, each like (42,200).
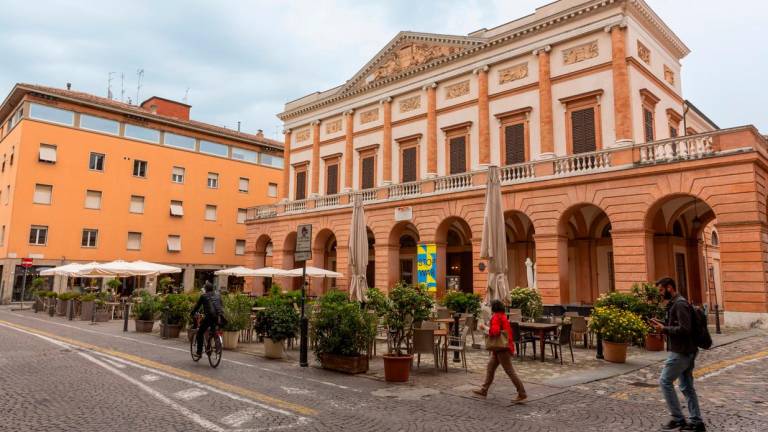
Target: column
(386,143)
(632,257)
(483,120)
(744,266)
(189,279)
(621,100)
(315,157)
(479,278)
(552,268)
(348,149)
(545,104)
(6,282)
(431,130)
(387,266)
(284,194)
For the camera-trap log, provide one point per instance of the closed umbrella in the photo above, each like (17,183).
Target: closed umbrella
(494,242)
(358,252)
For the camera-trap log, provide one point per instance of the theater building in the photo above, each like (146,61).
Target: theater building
(609,175)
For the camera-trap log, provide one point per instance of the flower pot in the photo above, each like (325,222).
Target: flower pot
(86,310)
(397,368)
(230,339)
(273,349)
(170,330)
(615,352)
(654,342)
(144,326)
(101,316)
(347,364)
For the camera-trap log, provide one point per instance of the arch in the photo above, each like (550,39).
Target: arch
(454,255)
(287,261)
(324,256)
(521,247)
(403,239)
(262,258)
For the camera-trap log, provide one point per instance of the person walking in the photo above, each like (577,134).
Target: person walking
(681,344)
(501,355)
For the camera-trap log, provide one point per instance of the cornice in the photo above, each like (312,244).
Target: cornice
(655,23)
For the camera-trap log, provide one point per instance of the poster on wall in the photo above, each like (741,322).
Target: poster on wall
(427,266)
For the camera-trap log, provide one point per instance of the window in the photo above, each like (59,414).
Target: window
(239,247)
(244,155)
(93,199)
(177,208)
(672,132)
(648,124)
(47,154)
(674,120)
(174,243)
(241,214)
(457,150)
(715,238)
(96,162)
(51,114)
(177,175)
(409,162)
(140,168)
(209,245)
(368,172)
(15,118)
(582,122)
(301,184)
(179,141)
(514,143)
(649,101)
(210,212)
(89,238)
(2,235)
(213,180)
(142,133)
(134,241)
(42,194)
(583,131)
(331,179)
(7,194)
(244,185)
(99,124)
(271,160)
(38,235)
(214,148)
(137,204)
(272,190)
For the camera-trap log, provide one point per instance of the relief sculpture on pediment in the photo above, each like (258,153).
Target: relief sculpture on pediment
(407,57)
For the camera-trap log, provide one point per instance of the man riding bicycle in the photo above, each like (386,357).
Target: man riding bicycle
(210,302)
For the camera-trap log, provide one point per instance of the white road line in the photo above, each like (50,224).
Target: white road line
(150,378)
(239,418)
(117,365)
(727,368)
(293,390)
(189,394)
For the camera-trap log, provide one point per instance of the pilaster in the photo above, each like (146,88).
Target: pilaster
(431,130)
(386,104)
(286,164)
(546,127)
(315,168)
(348,149)
(483,120)
(621,94)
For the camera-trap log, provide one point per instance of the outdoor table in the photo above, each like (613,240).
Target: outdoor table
(448,321)
(443,333)
(114,306)
(541,330)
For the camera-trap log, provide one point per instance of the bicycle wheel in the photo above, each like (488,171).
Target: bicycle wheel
(214,354)
(193,348)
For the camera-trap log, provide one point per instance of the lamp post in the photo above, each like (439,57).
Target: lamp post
(456,316)
(599,346)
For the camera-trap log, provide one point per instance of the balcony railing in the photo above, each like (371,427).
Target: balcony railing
(677,149)
(515,173)
(403,190)
(328,201)
(295,206)
(582,163)
(453,183)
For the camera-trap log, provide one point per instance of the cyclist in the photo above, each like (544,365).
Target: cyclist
(210,302)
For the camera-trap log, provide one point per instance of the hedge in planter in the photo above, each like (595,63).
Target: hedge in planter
(528,300)
(177,308)
(342,331)
(279,321)
(406,304)
(461,302)
(237,315)
(618,328)
(145,311)
(87,306)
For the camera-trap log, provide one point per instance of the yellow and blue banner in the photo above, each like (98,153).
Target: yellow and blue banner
(427,266)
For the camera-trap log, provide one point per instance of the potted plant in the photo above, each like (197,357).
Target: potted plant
(461,302)
(100,311)
(406,305)
(50,302)
(164,285)
(114,284)
(145,312)
(63,302)
(87,304)
(277,322)
(177,308)
(38,287)
(528,300)
(237,316)
(649,307)
(618,328)
(342,332)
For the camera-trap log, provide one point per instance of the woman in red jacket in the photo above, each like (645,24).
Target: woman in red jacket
(498,324)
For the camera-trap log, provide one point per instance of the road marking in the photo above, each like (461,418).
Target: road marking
(239,418)
(189,394)
(150,378)
(115,364)
(718,368)
(293,390)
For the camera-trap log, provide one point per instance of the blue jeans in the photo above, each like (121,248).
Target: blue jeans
(680,366)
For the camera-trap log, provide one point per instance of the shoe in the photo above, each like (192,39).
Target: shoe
(520,398)
(480,392)
(674,425)
(698,427)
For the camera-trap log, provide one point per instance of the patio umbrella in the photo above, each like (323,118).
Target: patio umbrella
(239,271)
(358,252)
(271,272)
(117,268)
(494,242)
(64,270)
(157,268)
(313,272)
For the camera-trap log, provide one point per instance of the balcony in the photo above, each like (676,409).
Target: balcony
(675,150)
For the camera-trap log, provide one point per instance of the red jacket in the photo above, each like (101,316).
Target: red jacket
(499,321)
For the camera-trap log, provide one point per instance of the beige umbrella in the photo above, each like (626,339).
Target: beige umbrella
(494,243)
(358,252)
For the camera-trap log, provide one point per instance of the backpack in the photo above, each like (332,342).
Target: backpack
(701,335)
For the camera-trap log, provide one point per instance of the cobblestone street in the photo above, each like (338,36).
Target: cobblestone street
(67,375)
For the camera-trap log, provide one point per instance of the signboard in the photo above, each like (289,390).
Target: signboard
(403,213)
(427,266)
(26,262)
(303,243)
(302,256)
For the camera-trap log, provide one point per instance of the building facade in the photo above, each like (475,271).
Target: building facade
(609,175)
(86,178)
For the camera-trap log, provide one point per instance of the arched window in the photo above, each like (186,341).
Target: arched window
(715,239)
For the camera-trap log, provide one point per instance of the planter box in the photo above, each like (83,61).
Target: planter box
(347,364)
(101,316)
(272,349)
(397,368)
(86,310)
(654,342)
(144,326)
(61,307)
(230,339)
(170,330)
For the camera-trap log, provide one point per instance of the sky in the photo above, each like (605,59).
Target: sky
(242,60)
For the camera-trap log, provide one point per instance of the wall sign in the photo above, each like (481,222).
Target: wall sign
(403,213)
(427,266)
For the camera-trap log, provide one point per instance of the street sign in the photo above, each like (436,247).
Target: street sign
(303,251)
(26,262)
(302,256)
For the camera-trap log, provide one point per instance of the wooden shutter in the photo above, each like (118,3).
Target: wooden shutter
(648,124)
(409,164)
(332,180)
(368,167)
(514,144)
(458,152)
(301,185)
(583,131)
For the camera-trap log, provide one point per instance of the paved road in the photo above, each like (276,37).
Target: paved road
(59,375)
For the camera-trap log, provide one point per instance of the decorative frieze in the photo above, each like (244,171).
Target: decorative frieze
(580,53)
(513,73)
(410,104)
(303,135)
(457,90)
(369,115)
(669,75)
(333,126)
(408,57)
(643,52)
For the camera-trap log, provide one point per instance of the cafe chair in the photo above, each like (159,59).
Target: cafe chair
(562,338)
(522,339)
(424,343)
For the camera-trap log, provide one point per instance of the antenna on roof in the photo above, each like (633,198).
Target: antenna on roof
(122,86)
(140,75)
(186,95)
(109,85)
(238,125)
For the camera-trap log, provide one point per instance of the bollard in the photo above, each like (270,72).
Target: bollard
(70,309)
(125,315)
(599,346)
(717,318)
(456,317)
(164,323)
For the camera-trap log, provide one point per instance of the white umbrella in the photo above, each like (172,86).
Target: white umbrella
(493,245)
(358,252)
(271,272)
(157,268)
(235,271)
(313,272)
(117,268)
(64,270)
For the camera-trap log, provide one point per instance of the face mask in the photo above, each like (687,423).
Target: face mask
(667,295)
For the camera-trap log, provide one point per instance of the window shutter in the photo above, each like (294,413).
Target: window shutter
(583,131)
(47,153)
(301,185)
(332,180)
(177,208)
(210,212)
(514,144)
(42,194)
(93,199)
(134,241)
(409,164)
(458,150)
(648,124)
(241,214)
(174,243)
(208,245)
(244,184)
(137,204)
(368,180)
(239,247)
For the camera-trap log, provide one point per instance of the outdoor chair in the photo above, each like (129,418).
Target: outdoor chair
(469,325)
(458,344)
(424,343)
(563,338)
(580,331)
(515,311)
(382,335)
(515,317)
(521,340)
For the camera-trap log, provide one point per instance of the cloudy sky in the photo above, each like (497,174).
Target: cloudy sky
(242,60)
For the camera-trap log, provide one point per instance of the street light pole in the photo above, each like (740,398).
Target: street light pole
(23,286)
(304,321)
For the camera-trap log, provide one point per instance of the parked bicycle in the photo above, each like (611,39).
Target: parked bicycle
(213,343)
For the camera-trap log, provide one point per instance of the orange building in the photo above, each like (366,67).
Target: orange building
(85,178)
(609,176)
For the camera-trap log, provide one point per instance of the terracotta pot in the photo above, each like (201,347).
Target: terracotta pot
(397,368)
(86,311)
(230,339)
(144,326)
(615,352)
(347,364)
(170,330)
(272,349)
(654,342)
(101,316)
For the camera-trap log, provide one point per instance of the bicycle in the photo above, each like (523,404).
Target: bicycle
(213,352)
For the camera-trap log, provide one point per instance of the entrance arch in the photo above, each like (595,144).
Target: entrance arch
(288,263)
(521,246)
(454,251)
(262,258)
(403,239)
(324,256)
(370,270)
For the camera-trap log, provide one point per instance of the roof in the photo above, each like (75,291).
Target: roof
(21,89)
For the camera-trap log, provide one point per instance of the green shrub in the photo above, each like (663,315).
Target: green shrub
(88,297)
(68,296)
(461,302)
(377,302)
(406,304)
(38,283)
(178,307)
(650,301)
(114,284)
(278,321)
(340,326)
(528,300)
(164,284)
(147,307)
(237,312)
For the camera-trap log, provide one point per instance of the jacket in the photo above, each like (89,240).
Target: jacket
(498,323)
(210,303)
(679,326)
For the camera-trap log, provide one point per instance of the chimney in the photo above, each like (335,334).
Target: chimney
(260,134)
(69,86)
(167,107)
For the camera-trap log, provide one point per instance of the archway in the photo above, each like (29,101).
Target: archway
(288,263)
(262,257)
(324,256)
(679,223)
(370,270)
(403,239)
(454,250)
(590,254)
(521,247)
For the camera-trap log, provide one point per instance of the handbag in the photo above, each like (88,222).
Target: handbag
(497,343)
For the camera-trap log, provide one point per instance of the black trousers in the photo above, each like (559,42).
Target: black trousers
(206,324)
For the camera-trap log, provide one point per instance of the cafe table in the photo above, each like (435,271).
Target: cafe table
(443,334)
(541,330)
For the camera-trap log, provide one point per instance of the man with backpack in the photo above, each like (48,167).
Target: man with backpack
(682,328)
